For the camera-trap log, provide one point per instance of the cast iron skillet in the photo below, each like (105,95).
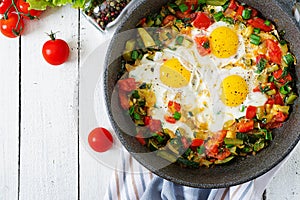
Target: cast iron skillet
(237,172)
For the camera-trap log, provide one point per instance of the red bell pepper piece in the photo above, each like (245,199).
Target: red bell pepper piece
(251,112)
(170,119)
(202,21)
(174,106)
(274,51)
(240,10)
(245,125)
(260,23)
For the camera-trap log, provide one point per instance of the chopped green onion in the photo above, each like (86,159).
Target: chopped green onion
(269,135)
(228,20)
(289,59)
(246,14)
(206,45)
(284,89)
(261,65)
(254,39)
(256,30)
(267,22)
(135,94)
(136,116)
(242,108)
(201,149)
(131,109)
(291,99)
(201,1)
(218,16)
(179,40)
(177,115)
(183,7)
(134,55)
(226,5)
(169,35)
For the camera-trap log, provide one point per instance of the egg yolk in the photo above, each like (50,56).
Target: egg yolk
(224,42)
(174,74)
(235,90)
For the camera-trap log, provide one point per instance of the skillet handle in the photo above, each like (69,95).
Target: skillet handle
(296,11)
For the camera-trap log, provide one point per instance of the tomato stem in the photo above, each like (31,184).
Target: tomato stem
(52,35)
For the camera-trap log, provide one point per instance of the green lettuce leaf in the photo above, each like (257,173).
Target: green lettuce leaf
(43,4)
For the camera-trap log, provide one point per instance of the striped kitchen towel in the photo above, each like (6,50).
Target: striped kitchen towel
(131,181)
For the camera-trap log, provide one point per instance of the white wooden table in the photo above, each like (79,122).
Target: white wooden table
(42,155)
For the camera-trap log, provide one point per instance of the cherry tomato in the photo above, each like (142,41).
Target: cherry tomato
(202,21)
(4,5)
(100,139)
(55,51)
(23,7)
(12,26)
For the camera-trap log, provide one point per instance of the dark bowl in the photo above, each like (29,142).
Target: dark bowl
(237,172)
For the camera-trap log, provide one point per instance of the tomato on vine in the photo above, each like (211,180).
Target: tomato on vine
(23,8)
(6,6)
(12,26)
(55,51)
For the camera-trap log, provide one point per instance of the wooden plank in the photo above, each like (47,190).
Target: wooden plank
(49,131)
(94,176)
(9,117)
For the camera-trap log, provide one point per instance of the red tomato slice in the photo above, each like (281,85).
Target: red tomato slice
(251,112)
(274,51)
(100,139)
(245,126)
(202,21)
(260,23)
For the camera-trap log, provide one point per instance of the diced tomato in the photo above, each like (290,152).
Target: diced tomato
(270,101)
(155,125)
(170,119)
(240,10)
(202,21)
(140,138)
(278,99)
(191,2)
(223,154)
(147,120)
(253,13)
(196,143)
(127,85)
(245,125)
(256,89)
(143,21)
(280,117)
(203,46)
(274,51)
(251,112)
(278,76)
(212,145)
(124,100)
(259,87)
(232,5)
(174,106)
(260,23)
